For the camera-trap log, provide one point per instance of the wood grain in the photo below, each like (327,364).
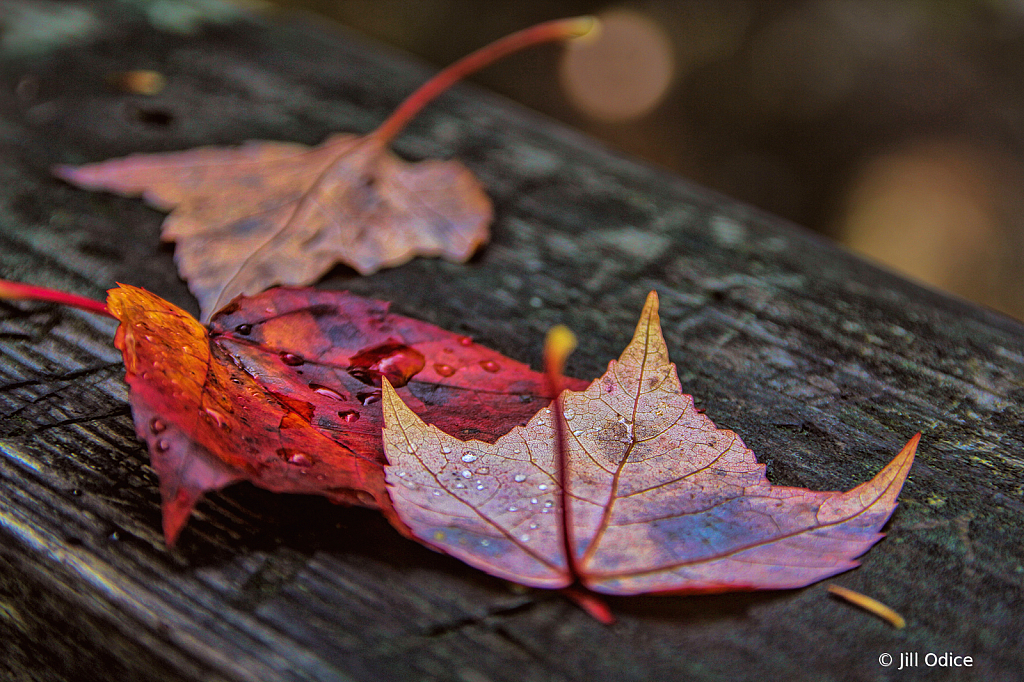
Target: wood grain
(822,363)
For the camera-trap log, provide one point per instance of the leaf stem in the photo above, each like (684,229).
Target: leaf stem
(15,291)
(560,342)
(560,29)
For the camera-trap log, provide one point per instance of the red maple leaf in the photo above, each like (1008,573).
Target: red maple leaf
(644,495)
(284,391)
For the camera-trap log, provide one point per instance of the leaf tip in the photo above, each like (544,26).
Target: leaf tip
(905,458)
(651,303)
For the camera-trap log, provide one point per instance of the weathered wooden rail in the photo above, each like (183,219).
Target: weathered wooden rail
(824,364)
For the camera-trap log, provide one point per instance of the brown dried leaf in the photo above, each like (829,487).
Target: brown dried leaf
(270,213)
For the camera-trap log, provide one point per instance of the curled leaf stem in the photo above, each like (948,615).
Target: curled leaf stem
(559,29)
(15,291)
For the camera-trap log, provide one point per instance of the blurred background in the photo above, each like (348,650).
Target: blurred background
(893,126)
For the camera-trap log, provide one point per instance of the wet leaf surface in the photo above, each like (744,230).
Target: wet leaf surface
(284,390)
(656,498)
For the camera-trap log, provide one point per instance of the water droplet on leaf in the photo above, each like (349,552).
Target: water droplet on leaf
(349,415)
(300,459)
(368,398)
(326,392)
(292,360)
(444,370)
(396,361)
(490,366)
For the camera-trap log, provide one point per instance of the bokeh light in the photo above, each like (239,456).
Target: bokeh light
(623,72)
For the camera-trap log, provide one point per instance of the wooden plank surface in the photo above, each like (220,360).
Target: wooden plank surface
(823,364)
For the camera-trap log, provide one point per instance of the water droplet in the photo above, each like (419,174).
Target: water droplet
(469,457)
(368,398)
(410,448)
(444,370)
(156,425)
(326,392)
(513,508)
(161,445)
(533,526)
(485,543)
(516,451)
(300,459)
(483,471)
(549,504)
(547,410)
(577,433)
(349,415)
(446,450)
(218,419)
(524,538)
(542,486)
(460,486)
(76,492)
(570,414)
(391,359)
(519,478)
(292,360)
(402,474)
(466,474)
(544,511)
(490,366)
(437,493)
(533,500)
(465,341)
(244,329)
(480,486)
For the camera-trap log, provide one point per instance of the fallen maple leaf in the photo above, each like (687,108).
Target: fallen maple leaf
(283,391)
(655,497)
(272,213)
